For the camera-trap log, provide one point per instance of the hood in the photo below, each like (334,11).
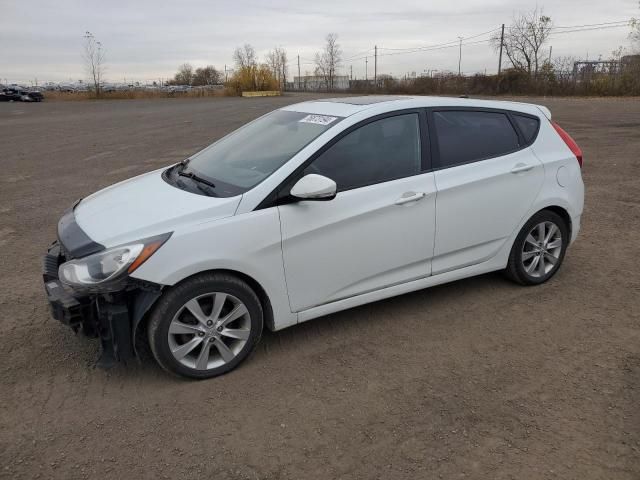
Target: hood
(145,206)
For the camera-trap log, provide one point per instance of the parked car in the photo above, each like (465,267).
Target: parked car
(179,88)
(32,95)
(67,88)
(312,209)
(20,95)
(9,95)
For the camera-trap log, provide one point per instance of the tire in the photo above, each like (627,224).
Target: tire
(523,267)
(225,329)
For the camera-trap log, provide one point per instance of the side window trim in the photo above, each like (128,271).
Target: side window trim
(435,149)
(425,141)
(279,195)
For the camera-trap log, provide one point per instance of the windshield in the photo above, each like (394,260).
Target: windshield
(244,158)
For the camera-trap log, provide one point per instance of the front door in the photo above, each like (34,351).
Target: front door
(377,232)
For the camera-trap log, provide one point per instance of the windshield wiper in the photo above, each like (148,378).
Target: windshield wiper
(196,178)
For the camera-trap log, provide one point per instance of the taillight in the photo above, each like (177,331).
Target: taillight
(571,143)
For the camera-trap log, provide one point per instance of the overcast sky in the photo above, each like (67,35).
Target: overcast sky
(146,40)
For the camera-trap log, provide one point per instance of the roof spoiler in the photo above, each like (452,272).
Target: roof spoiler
(545,111)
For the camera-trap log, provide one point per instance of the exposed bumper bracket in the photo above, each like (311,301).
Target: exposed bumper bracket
(112,317)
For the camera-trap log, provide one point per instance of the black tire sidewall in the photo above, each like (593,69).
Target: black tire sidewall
(177,296)
(516,254)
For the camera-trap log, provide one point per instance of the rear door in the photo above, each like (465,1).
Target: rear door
(486,177)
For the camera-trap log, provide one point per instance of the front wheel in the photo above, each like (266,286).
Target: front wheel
(205,326)
(539,249)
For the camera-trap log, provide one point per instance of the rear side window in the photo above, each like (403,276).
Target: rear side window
(528,126)
(468,136)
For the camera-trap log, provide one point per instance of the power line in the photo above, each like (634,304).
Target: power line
(616,24)
(456,43)
(587,29)
(576,28)
(441,44)
(626,22)
(357,55)
(452,45)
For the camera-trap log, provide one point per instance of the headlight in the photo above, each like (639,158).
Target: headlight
(106,268)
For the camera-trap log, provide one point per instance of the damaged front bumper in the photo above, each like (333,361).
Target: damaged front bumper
(113,317)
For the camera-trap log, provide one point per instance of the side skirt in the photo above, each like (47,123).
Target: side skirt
(473,270)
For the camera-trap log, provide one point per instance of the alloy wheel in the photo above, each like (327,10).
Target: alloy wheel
(541,250)
(209,331)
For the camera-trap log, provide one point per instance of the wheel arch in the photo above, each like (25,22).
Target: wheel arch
(265,302)
(561,211)
(513,266)
(142,320)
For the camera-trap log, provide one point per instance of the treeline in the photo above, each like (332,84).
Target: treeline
(514,82)
(248,73)
(198,77)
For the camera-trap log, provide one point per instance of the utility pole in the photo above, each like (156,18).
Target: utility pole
(550,50)
(460,56)
(366,68)
(284,77)
(351,76)
(225,73)
(375,68)
(500,57)
(298,72)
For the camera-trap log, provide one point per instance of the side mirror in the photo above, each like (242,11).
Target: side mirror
(314,187)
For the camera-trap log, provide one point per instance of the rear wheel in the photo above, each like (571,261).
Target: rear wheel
(205,326)
(539,249)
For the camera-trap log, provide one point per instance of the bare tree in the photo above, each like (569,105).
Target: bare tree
(208,75)
(634,35)
(94,61)
(563,65)
(245,57)
(184,75)
(329,60)
(523,40)
(277,62)
(248,74)
(617,54)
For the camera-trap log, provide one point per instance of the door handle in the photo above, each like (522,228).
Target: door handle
(521,167)
(408,197)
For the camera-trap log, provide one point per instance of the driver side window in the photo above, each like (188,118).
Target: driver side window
(383,150)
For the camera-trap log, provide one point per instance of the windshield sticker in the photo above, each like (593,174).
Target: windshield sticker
(319,119)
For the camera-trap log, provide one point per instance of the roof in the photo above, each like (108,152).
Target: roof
(365,99)
(347,106)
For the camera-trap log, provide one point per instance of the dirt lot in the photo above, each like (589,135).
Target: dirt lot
(476,379)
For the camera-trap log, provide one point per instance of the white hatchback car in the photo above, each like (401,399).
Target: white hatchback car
(308,210)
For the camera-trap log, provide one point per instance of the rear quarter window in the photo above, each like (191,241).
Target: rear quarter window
(528,126)
(469,136)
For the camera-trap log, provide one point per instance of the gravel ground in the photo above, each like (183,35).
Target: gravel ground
(476,379)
